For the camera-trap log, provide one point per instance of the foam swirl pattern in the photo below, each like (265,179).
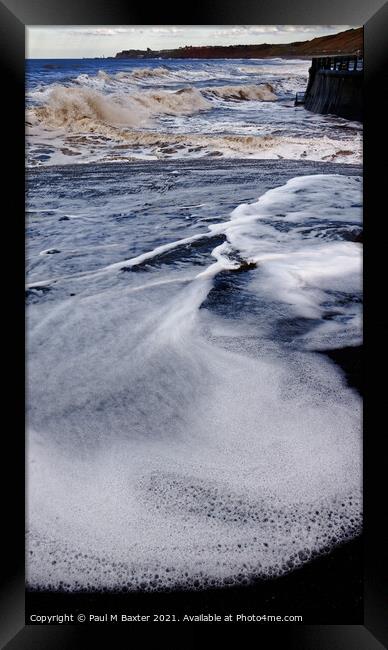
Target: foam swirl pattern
(183,428)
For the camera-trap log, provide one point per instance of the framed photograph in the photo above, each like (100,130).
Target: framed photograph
(190,202)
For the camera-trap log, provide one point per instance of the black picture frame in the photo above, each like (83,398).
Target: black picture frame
(15,15)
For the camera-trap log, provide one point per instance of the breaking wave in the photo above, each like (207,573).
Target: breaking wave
(262,92)
(72,106)
(297,68)
(145,73)
(65,106)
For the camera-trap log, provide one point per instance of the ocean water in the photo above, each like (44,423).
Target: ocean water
(184,428)
(116,110)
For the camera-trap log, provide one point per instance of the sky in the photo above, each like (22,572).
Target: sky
(73,42)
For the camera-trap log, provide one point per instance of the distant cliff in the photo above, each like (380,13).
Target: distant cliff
(348,42)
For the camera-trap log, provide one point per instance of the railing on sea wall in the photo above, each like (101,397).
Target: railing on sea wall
(299,98)
(335,86)
(348,62)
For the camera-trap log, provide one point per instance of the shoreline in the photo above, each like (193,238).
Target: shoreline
(214,163)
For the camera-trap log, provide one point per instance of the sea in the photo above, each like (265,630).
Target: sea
(194,264)
(107,110)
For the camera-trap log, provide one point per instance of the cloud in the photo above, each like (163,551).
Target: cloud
(166,30)
(100,31)
(274,29)
(113,31)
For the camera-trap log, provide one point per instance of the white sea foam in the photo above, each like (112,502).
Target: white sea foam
(88,140)
(283,68)
(163,449)
(261,92)
(145,73)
